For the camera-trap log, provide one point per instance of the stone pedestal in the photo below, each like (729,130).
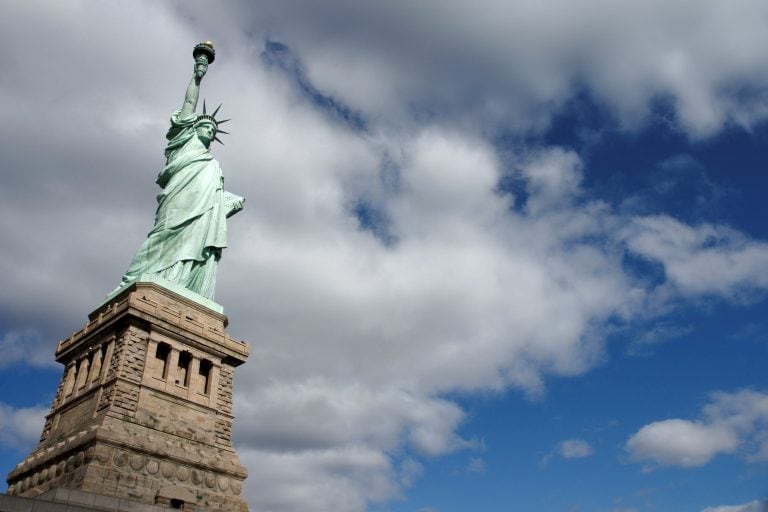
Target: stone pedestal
(144,408)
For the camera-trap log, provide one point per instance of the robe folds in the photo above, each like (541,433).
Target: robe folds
(190,229)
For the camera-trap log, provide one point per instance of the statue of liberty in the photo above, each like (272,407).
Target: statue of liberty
(190,229)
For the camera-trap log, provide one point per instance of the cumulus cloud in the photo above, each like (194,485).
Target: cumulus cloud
(334,479)
(20,427)
(731,422)
(517,62)
(383,332)
(681,443)
(361,325)
(316,415)
(705,259)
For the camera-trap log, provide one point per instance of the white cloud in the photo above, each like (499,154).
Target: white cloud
(575,449)
(730,422)
(752,506)
(318,480)
(316,415)
(554,179)
(20,427)
(681,443)
(705,259)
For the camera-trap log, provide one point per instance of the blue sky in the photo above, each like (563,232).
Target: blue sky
(494,256)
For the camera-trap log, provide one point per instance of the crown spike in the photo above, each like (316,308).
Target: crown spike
(211,118)
(218,140)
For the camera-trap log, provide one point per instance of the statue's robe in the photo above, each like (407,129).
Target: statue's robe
(190,229)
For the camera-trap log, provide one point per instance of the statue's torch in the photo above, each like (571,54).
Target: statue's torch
(204,54)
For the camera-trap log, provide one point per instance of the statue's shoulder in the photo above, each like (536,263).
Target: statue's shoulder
(181,127)
(182,121)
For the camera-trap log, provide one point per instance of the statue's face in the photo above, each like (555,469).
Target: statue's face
(205,132)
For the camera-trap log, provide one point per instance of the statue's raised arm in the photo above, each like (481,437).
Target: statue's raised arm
(190,232)
(204,55)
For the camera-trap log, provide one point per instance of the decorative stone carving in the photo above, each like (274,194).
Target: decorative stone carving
(120,459)
(182,473)
(153,467)
(103,453)
(137,462)
(167,469)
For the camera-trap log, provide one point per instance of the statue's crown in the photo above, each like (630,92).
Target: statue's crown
(211,118)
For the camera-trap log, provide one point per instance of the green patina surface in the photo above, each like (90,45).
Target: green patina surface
(190,230)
